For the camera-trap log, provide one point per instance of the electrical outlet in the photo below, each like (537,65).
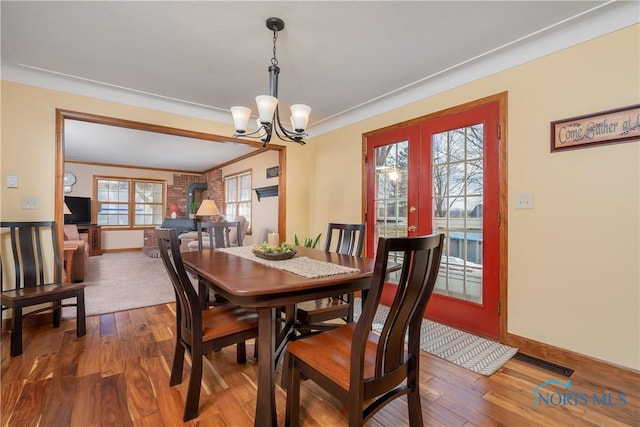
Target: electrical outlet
(524,201)
(30,202)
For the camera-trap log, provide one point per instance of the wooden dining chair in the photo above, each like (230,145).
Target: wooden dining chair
(363,369)
(211,235)
(347,239)
(217,234)
(31,243)
(200,331)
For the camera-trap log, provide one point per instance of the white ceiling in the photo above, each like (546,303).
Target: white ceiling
(346,59)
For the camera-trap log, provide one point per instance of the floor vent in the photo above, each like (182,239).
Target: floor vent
(561,370)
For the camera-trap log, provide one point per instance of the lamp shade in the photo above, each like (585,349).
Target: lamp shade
(66,210)
(208,208)
(240,118)
(266,107)
(300,116)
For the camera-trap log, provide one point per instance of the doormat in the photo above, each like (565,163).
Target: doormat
(470,351)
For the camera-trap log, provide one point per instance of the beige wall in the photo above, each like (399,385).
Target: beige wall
(573,272)
(573,261)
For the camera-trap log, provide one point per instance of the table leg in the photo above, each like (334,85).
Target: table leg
(266,403)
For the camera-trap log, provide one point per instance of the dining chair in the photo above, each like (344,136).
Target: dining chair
(31,245)
(216,234)
(200,331)
(364,369)
(346,239)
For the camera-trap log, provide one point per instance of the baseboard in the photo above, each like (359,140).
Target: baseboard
(579,362)
(111,251)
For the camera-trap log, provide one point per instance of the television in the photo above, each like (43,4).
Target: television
(80,208)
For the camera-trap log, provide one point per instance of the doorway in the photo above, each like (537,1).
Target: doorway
(446,173)
(64,116)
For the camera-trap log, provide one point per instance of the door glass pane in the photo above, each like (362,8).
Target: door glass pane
(457,210)
(391,194)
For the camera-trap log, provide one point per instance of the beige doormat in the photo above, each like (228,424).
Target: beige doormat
(470,351)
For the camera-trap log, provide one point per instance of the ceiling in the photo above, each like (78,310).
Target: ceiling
(346,59)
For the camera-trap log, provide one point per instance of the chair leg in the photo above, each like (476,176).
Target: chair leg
(16,331)
(241,353)
(81,320)
(415,409)
(178,363)
(195,382)
(292,414)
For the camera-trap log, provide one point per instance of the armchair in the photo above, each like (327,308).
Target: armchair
(81,255)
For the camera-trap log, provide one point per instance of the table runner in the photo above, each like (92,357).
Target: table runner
(302,266)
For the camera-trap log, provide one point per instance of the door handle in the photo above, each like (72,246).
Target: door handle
(412,209)
(411,228)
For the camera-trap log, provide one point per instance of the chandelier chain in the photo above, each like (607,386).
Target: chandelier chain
(274,60)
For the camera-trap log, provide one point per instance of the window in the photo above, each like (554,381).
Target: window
(129,202)
(238,196)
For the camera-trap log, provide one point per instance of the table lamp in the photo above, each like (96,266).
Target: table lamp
(208,208)
(66,209)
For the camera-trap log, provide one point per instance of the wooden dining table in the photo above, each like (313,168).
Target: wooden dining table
(247,283)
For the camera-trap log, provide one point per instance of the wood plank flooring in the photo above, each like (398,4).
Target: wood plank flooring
(118,375)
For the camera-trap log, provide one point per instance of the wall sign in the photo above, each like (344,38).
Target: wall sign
(273,172)
(622,124)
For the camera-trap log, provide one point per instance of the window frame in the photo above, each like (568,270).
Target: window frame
(131,203)
(237,175)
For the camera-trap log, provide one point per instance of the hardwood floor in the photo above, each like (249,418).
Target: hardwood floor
(118,375)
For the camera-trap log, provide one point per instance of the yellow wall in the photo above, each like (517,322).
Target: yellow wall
(573,260)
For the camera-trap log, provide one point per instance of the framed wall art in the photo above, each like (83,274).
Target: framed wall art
(605,127)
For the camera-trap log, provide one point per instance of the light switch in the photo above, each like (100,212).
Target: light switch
(12,181)
(30,202)
(524,201)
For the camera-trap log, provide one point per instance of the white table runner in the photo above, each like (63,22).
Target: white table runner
(302,266)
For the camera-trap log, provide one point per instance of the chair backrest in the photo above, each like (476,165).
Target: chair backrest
(419,271)
(29,241)
(218,233)
(188,318)
(348,238)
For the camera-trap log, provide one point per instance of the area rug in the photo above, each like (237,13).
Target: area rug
(122,281)
(470,351)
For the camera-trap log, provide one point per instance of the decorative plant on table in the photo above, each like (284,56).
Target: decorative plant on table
(193,208)
(308,242)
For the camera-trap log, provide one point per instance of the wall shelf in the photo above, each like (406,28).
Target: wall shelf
(270,191)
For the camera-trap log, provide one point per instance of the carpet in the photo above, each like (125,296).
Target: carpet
(122,281)
(469,351)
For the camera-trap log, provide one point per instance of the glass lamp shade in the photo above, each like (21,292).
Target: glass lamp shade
(300,116)
(208,208)
(240,118)
(266,107)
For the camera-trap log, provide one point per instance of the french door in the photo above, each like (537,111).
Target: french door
(441,175)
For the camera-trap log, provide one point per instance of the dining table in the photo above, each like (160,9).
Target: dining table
(266,286)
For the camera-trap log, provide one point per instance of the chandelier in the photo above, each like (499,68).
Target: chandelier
(268,116)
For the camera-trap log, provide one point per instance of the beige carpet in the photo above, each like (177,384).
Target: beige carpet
(122,281)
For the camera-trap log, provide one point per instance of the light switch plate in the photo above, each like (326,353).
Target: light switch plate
(30,202)
(12,181)
(524,201)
